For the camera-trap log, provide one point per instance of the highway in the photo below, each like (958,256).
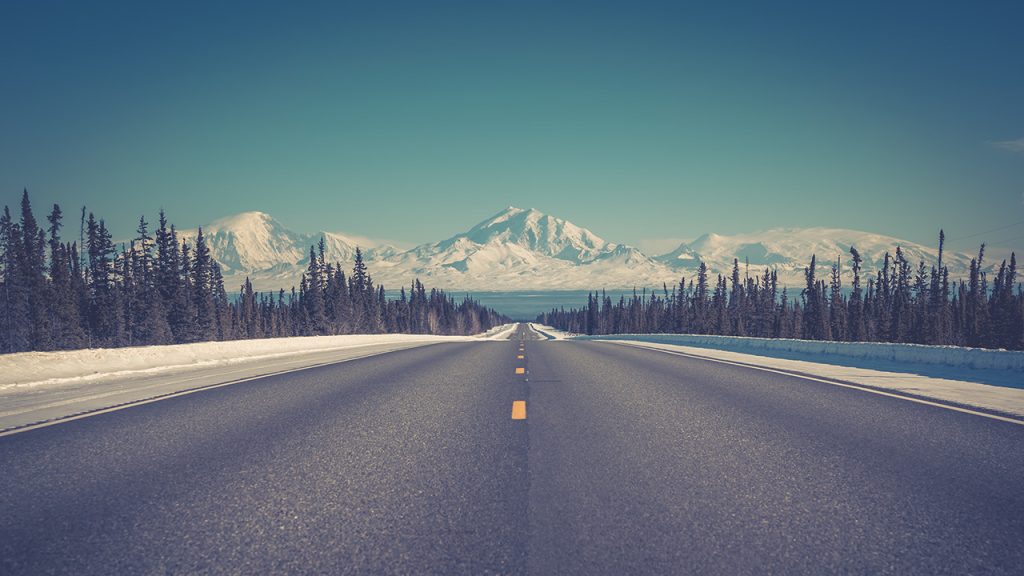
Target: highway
(620,460)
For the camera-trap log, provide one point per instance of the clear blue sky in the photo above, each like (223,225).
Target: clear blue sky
(414,120)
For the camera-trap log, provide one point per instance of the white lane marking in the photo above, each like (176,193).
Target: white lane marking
(169,395)
(832,382)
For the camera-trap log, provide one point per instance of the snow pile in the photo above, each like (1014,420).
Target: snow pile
(903,354)
(30,369)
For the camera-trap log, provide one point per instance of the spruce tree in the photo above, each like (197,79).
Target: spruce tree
(66,327)
(202,291)
(221,305)
(974,303)
(813,319)
(737,303)
(313,297)
(32,275)
(837,305)
(183,316)
(16,315)
(700,301)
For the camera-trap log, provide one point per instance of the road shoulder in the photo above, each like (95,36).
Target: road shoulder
(997,400)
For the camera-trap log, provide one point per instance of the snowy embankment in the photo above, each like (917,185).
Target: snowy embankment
(41,386)
(549,332)
(55,368)
(988,379)
(503,332)
(903,354)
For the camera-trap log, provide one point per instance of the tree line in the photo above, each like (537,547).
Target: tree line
(900,303)
(159,289)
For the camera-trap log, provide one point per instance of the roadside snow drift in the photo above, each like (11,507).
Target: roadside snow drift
(987,379)
(54,368)
(37,387)
(907,354)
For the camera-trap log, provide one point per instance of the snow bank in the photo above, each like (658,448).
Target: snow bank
(503,332)
(77,366)
(910,354)
(958,387)
(549,332)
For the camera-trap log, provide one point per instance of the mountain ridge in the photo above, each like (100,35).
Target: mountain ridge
(526,249)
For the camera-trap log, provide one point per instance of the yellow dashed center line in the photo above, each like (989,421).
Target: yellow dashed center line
(520,370)
(520,357)
(519,410)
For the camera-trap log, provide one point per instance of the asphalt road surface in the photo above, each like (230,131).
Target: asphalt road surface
(628,461)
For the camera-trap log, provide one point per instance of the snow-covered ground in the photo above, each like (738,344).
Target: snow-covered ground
(549,332)
(42,386)
(503,332)
(943,360)
(962,384)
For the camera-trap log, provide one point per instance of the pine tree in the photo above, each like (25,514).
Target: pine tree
(921,319)
(221,305)
(357,294)
(857,329)
(33,278)
(700,301)
(247,312)
(837,305)
(901,299)
(975,313)
(314,294)
(104,312)
(183,316)
(202,291)
(813,319)
(16,335)
(168,280)
(737,303)
(150,324)
(1014,308)
(66,321)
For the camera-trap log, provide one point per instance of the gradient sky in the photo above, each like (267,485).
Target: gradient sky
(643,121)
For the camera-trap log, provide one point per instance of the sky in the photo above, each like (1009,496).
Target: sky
(646,122)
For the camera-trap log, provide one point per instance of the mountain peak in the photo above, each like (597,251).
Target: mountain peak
(509,213)
(538,232)
(250,220)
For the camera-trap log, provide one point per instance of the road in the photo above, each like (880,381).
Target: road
(628,461)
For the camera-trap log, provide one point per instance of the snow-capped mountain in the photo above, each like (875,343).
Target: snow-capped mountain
(255,244)
(525,249)
(538,232)
(515,236)
(789,250)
